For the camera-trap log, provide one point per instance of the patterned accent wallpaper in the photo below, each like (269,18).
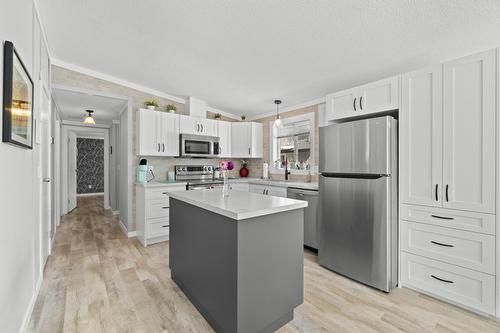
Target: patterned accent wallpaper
(89,165)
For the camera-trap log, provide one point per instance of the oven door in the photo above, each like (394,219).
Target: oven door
(198,146)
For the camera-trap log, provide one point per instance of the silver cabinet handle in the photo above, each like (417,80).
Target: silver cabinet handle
(249,151)
(46,180)
(361,103)
(158,147)
(442,217)
(354,103)
(163,145)
(164,226)
(197,127)
(442,244)
(201,128)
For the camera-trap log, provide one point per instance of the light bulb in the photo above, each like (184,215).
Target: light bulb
(89,120)
(277,122)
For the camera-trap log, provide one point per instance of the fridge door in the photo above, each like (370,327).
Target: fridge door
(356,228)
(362,146)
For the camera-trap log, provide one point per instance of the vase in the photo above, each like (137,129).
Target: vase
(225,185)
(244,172)
(151,107)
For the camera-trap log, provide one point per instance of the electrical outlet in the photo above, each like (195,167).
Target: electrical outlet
(90,186)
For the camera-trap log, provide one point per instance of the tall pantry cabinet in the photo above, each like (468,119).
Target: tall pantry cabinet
(448,166)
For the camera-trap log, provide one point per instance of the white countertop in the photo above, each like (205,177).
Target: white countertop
(239,205)
(257,181)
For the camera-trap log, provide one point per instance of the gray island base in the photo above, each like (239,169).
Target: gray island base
(242,274)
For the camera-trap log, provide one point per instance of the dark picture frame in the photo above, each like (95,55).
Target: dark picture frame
(18,100)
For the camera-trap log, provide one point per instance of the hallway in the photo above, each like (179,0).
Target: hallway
(97,280)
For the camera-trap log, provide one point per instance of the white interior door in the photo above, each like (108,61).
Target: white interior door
(72,154)
(469,133)
(46,173)
(421,120)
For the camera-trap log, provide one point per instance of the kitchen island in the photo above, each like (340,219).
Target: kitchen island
(239,259)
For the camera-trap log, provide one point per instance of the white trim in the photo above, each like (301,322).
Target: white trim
(127,233)
(224,113)
(125,83)
(90,194)
(113,79)
(116,212)
(80,124)
(42,28)
(31,306)
(316,101)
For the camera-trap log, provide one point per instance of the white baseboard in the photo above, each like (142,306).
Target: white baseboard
(89,194)
(31,306)
(116,212)
(107,207)
(127,233)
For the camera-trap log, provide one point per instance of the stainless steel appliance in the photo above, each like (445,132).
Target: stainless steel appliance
(199,146)
(310,214)
(358,200)
(197,176)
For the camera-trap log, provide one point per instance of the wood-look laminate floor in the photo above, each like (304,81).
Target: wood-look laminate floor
(97,280)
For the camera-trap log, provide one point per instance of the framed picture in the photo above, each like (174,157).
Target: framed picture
(17,100)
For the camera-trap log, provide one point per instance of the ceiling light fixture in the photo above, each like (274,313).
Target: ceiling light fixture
(88,119)
(277,121)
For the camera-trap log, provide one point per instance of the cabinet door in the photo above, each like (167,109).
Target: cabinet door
(342,104)
(256,149)
(189,125)
(469,133)
(208,127)
(260,189)
(276,191)
(169,134)
(240,139)
(421,137)
(224,133)
(379,96)
(147,143)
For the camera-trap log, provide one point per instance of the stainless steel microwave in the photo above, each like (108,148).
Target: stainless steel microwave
(199,146)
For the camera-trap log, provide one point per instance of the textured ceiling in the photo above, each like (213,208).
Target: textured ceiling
(72,105)
(240,55)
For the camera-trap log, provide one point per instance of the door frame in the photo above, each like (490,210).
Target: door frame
(82,131)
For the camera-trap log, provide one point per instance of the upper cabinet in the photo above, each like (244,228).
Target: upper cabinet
(447,126)
(373,97)
(246,140)
(224,134)
(157,133)
(199,126)
(469,132)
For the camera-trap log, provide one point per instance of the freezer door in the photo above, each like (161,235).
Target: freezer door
(355,229)
(362,146)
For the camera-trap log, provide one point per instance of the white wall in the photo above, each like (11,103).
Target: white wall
(18,207)
(125,158)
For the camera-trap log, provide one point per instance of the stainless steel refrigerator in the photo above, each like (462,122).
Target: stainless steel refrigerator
(358,200)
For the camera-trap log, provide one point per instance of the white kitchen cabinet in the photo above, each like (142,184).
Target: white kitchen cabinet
(157,133)
(378,96)
(246,140)
(447,124)
(198,126)
(152,212)
(224,134)
(469,92)
(421,137)
(238,186)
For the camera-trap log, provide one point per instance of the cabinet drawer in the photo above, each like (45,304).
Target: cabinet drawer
(469,221)
(161,192)
(157,228)
(459,285)
(463,248)
(157,208)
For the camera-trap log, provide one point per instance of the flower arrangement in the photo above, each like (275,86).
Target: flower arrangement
(217,116)
(225,166)
(151,104)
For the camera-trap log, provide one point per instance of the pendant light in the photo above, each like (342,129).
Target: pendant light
(277,121)
(88,119)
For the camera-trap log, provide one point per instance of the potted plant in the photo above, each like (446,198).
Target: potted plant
(217,116)
(171,108)
(243,118)
(244,170)
(151,104)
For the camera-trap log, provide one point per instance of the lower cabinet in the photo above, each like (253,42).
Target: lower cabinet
(449,254)
(244,187)
(152,213)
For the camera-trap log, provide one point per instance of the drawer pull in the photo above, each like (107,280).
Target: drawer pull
(442,280)
(164,193)
(164,226)
(164,207)
(443,217)
(442,244)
